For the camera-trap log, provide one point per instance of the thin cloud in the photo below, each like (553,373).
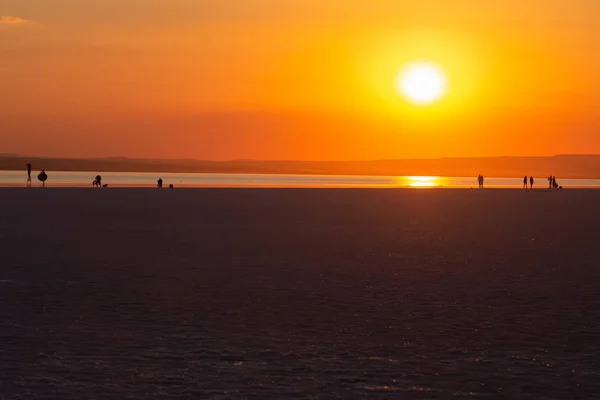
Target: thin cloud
(7,19)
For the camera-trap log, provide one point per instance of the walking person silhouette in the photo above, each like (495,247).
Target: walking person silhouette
(525,182)
(531,182)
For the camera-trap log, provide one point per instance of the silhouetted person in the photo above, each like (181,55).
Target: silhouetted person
(28,174)
(550,182)
(554,184)
(531,182)
(159,182)
(99,180)
(525,182)
(480,180)
(42,177)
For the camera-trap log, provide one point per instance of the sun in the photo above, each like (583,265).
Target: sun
(421,83)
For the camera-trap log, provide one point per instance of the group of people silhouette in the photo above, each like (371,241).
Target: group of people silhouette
(528,182)
(531,182)
(97,182)
(552,183)
(159,184)
(42,176)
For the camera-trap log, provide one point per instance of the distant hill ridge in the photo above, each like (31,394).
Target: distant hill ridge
(564,166)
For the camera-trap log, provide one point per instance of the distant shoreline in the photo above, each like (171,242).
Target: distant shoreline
(83,179)
(562,166)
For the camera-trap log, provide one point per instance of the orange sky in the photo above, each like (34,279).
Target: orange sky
(283,79)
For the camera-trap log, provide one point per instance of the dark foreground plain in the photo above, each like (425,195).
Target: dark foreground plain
(276,294)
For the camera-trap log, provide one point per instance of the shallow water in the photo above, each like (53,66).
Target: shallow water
(148,179)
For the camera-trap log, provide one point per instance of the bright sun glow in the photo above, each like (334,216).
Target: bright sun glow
(421,83)
(423,181)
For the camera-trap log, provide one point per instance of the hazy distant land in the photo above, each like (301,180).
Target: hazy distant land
(564,166)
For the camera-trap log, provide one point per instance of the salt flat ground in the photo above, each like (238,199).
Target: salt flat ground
(292,293)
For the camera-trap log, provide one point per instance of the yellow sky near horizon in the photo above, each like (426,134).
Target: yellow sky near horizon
(296,79)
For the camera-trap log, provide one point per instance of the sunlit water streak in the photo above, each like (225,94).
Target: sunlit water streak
(148,179)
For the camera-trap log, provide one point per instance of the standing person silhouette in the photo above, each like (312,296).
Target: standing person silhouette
(550,182)
(28,174)
(159,182)
(531,182)
(481,182)
(525,182)
(99,180)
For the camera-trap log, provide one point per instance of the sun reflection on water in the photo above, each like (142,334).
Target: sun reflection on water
(421,181)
